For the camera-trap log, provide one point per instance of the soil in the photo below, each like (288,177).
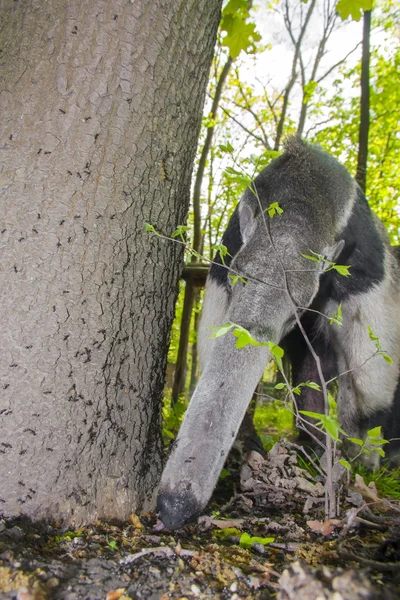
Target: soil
(297,554)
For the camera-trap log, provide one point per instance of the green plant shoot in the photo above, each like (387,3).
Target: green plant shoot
(180,232)
(246,540)
(244,338)
(375,338)
(322,260)
(273,209)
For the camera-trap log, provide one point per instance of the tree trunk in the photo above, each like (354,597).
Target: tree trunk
(195,354)
(361,175)
(101,109)
(181,364)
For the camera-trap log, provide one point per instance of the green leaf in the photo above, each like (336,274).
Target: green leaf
(353,8)
(235,6)
(274,209)
(239,34)
(342,269)
(246,541)
(312,385)
(378,442)
(387,358)
(280,386)
(375,432)
(168,434)
(223,250)
(113,545)
(332,404)
(244,338)
(223,533)
(331,426)
(337,317)
(326,422)
(226,147)
(272,154)
(311,414)
(313,258)
(219,331)
(344,463)
(149,228)
(235,278)
(233,171)
(180,230)
(224,473)
(372,336)
(277,352)
(356,441)
(308,91)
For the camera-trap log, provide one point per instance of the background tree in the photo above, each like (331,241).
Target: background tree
(361,173)
(339,133)
(101,106)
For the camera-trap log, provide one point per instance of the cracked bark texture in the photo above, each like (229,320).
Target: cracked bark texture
(100,111)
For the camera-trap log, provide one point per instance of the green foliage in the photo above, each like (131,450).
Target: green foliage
(340,137)
(233,175)
(180,232)
(308,91)
(273,420)
(172,416)
(150,228)
(297,390)
(308,465)
(239,35)
(330,425)
(322,261)
(273,209)
(345,463)
(244,338)
(337,317)
(326,423)
(224,474)
(378,346)
(222,251)
(372,443)
(246,541)
(353,8)
(236,278)
(228,532)
(68,536)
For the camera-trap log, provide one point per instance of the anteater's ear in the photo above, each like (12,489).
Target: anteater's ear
(333,252)
(247,220)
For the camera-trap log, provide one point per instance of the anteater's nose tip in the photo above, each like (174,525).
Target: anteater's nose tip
(177,508)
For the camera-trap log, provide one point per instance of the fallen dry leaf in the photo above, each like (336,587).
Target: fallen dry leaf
(227,523)
(324,527)
(115,594)
(135,521)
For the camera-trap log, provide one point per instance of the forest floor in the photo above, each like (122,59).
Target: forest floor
(270,540)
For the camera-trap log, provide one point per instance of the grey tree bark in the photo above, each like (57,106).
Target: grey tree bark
(363,132)
(100,112)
